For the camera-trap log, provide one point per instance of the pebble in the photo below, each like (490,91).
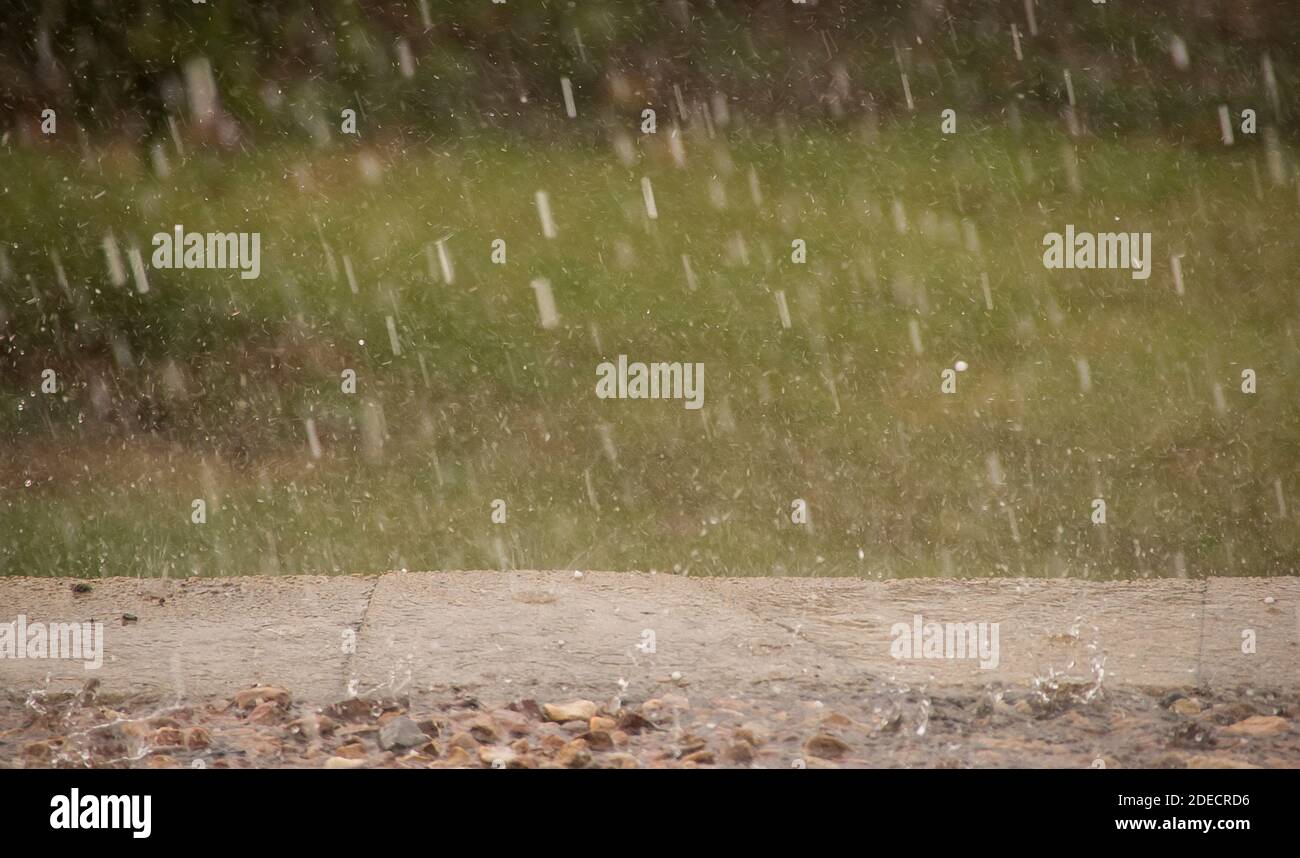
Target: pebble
(353,751)
(401,732)
(739,752)
(168,737)
(311,726)
(576,710)
(574,755)
(485,730)
(266,712)
(496,756)
(197,738)
(826,746)
(458,757)
(634,724)
(514,723)
(250,697)
(344,763)
(1259,725)
(1215,761)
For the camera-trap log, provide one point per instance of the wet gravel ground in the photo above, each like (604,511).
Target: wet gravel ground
(871,725)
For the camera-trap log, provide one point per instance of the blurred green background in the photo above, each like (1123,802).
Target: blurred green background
(776,122)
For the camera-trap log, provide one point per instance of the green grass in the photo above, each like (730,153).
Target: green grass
(201,388)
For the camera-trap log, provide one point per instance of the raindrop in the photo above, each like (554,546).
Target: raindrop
(544,212)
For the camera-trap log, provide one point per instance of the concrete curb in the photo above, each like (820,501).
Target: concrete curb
(508,635)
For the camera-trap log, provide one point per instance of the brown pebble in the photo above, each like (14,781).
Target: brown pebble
(167,737)
(352,751)
(197,737)
(574,755)
(267,712)
(826,746)
(250,697)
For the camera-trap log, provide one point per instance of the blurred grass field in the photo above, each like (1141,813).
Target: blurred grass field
(203,386)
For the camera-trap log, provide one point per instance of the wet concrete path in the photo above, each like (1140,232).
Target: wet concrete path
(508,635)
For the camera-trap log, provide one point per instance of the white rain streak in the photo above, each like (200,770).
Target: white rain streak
(988,293)
(648,194)
(175,131)
(1085,374)
(717,194)
(116,270)
(591,489)
(352,277)
(201,89)
(1281,498)
(907,93)
(1029,16)
(313,440)
(1015,42)
(393,342)
(899,214)
(914,332)
(570,108)
(1225,125)
(546,311)
(1070,161)
(993,466)
(1178,52)
(691,283)
(1176,265)
(372,432)
(577,40)
(137,270)
(158,156)
(1270,83)
(783,309)
(676,147)
(721,112)
(405,61)
(59,274)
(607,442)
(444,262)
(625,149)
(544,213)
